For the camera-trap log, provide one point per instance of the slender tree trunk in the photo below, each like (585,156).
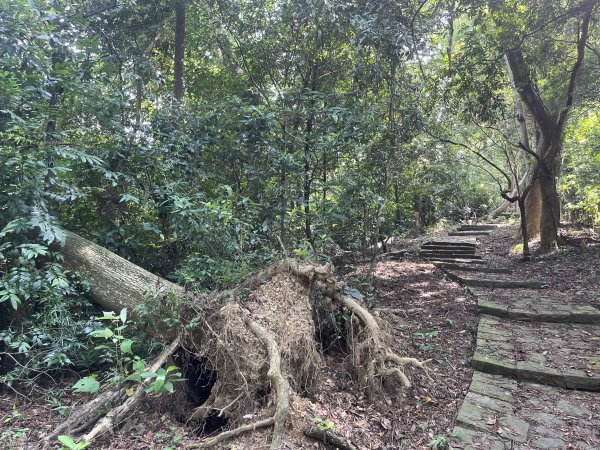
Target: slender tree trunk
(397,200)
(450,35)
(307,183)
(325,168)
(419,215)
(378,215)
(139,92)
(178,67)
(364,241)
(524,232)
(386,184)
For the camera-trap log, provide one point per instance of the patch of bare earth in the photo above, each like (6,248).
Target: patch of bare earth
(430,318)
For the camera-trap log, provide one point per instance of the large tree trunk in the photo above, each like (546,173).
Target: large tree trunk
(115,283)
(533,206)
(550,124)
(550,209)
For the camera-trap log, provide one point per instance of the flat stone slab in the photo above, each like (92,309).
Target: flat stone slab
(552,297)
(466,249)
(457,260)
(449,254)
(454,240)
(564,355)
(482,227)
(451,266)
(469,233)
(500,413)
(506,283)
(541,312)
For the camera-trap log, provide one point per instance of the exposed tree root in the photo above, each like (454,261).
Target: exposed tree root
(370,353)
(282,388)
(257,342)
(282,393)
(233,433)
(91,411)
(329,438)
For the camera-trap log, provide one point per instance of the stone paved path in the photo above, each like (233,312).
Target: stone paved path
(536,383)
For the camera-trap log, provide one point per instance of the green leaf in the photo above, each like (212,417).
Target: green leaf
(123,315)
(156,387)
(105,333)
(32,251)
(126,346)
(15,301)
(67,441)
(139,365)
(134,377)
(88,385)
(129,198)
(108,315)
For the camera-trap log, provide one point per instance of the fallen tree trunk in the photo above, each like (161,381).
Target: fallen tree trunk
(256,339)
(115,283)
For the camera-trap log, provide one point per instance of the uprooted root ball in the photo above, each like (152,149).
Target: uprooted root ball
(253,355)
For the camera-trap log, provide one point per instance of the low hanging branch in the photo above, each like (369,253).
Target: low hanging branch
(239,339)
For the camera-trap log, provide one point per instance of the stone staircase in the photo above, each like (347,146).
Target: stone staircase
(537,359)
(452,250)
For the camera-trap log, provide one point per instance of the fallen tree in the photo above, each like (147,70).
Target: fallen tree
(253,348)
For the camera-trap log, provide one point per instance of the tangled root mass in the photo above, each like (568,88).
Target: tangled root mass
(264,344)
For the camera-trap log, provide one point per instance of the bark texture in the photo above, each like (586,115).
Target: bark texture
(115,283)
(549,124)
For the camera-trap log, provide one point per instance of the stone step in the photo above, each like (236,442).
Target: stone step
(469,233)
(457,260)
(458,248)
(502,413)
(449,243)
(449,251)
(563,355)
(451,266)
(430,254)
(480,227)
(494,283)
(536,305)
(454,241)
(540,310)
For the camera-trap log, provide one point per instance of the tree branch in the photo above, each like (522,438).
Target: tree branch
(581,44)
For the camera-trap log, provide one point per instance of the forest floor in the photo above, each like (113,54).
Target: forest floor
(428,316)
